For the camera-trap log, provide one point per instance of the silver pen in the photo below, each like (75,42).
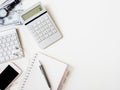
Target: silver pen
(45,74)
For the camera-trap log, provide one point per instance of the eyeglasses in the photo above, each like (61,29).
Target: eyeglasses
(4,12)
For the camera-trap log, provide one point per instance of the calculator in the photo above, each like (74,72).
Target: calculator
(41,25)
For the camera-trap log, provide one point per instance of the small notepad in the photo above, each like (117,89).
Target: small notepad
(56,71)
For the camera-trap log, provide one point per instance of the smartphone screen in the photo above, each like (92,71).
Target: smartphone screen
(7,76)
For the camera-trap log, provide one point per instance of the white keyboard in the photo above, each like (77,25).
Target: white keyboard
(10,47)
(41,25)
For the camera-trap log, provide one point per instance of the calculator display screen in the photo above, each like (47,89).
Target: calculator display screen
(31,12)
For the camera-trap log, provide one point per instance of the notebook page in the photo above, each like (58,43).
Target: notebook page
(55,69)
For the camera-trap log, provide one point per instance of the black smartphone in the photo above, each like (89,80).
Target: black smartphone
(8,75)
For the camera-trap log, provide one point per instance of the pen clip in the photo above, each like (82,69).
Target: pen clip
(41,69)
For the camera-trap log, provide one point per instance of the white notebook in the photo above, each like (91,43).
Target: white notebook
(56,73)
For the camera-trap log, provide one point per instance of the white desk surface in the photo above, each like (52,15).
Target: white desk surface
(91,42)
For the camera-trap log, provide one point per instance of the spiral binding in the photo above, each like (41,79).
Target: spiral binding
(28,72)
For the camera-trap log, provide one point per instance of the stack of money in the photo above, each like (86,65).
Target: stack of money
(14,16)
